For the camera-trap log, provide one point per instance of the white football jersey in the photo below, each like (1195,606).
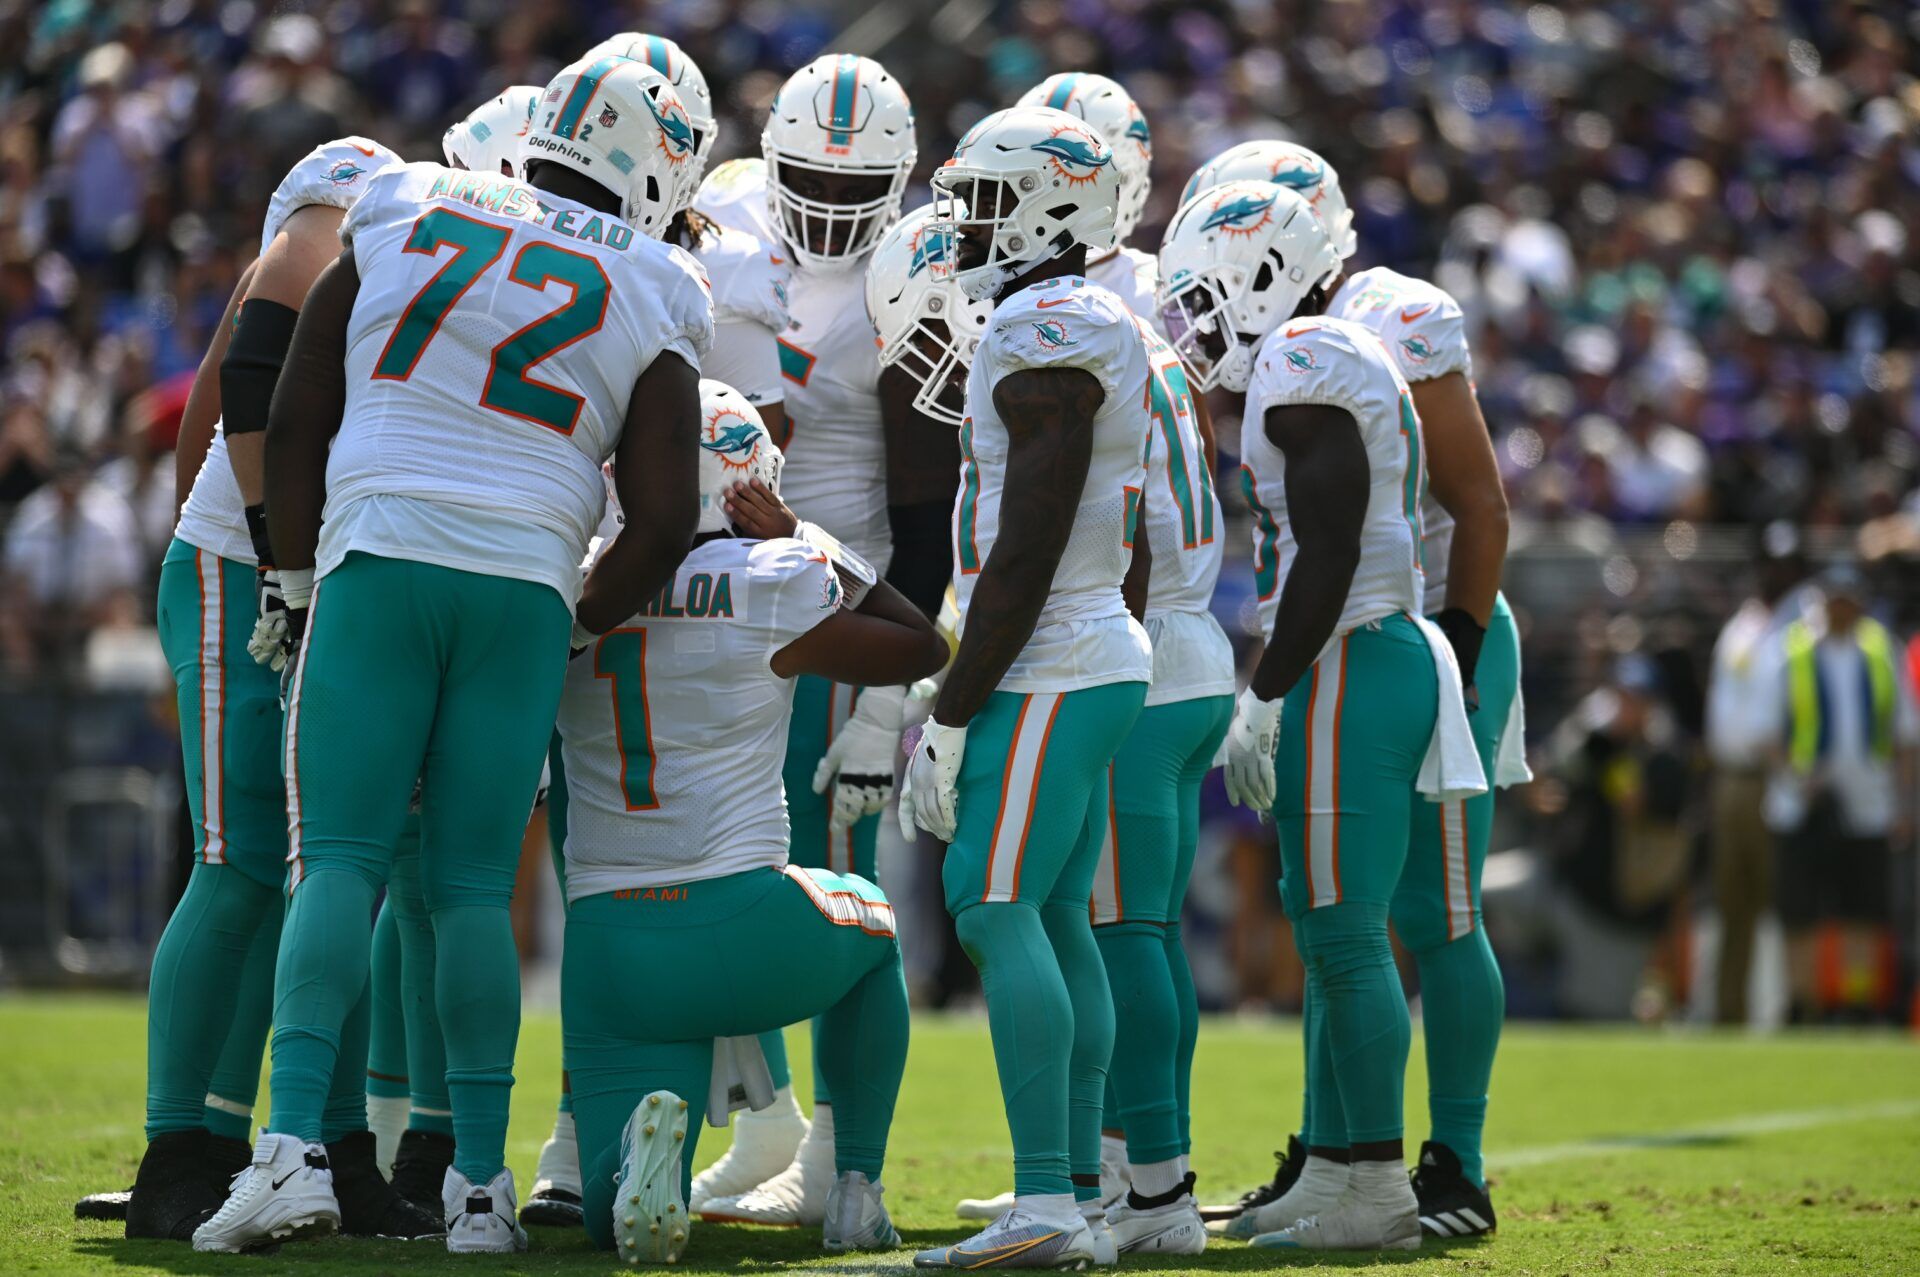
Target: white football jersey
(493,347)
(335,173)
(1132,276)
(1084,636)
(749,282)
(1334,361)
(1191,653)
(673,727)
(1424,330)
(836,473)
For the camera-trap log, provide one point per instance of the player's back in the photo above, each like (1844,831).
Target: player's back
(493,347)
(1064,322)
(674,725)
(1321,360)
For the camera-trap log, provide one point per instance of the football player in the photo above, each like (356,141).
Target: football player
(480,348)
(1375,718)
(1436,910)
(750,283)
(673,727)
(1132,275)
(836,152)
(211,993)
(1011,767)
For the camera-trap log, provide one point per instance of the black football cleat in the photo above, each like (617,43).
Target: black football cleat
(1286,1170)
(1451,1205)
(553,1208)
(174,1191)
(420,1168)
(369,1206)
(103,1205)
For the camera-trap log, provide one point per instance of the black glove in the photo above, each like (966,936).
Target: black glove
(1464,635)
(290,644)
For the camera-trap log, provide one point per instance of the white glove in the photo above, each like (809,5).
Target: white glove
(861,755)
(268,644)
(1251,743)
(929,798)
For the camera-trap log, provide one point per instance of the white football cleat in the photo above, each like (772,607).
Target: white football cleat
(650,1222)
(1115,1177)
(1018,1239)
(285,1192)
(1320,1187)
(763,1145)
(857,1218)
(1353,1224)
(795,1197)
(1174,1229)
(481,1220)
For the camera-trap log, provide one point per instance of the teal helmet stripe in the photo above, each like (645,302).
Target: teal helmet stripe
(1063,90)
(657,57)
(846,83)
(575,107)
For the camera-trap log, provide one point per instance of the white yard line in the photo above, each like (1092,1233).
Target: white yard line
(1679,1137)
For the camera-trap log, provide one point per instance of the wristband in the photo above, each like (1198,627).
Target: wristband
(296,587)
(257,530)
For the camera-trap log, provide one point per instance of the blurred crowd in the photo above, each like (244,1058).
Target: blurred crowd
(1683,232)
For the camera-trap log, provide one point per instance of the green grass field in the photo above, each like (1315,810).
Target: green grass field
(1616,1151)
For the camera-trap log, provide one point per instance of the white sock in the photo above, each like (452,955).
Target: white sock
(387,1119)
(1185,1166)
(1093,1212)
(1383,1184)
(783,1106)
(1113,1148)
(1060,1208)
(1323,1175)
(821,1135)
(563,1130)
(1154,1179)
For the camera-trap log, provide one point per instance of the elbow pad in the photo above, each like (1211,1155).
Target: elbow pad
(856,574)
(262,331)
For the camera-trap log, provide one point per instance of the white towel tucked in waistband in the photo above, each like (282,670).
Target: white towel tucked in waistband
(1451,770)
(1510,764)
(740,1080)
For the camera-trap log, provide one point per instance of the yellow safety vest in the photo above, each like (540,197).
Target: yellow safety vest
(1804,701)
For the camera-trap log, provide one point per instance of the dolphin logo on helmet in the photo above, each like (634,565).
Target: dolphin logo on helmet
(1299,175)
(1234,215)
(676,133)
(1082,152)
(931,249)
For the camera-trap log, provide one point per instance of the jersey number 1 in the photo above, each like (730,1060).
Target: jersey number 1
(621,658)
(476,246)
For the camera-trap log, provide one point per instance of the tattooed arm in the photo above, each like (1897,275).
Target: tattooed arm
(1327,479)
(1049,417)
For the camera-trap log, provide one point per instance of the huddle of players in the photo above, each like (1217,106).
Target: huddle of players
(451,421)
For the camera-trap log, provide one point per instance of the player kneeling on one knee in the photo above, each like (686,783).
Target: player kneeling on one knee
(672,729)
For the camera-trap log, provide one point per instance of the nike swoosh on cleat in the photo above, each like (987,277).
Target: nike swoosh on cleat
(1409,313)
(985,1258)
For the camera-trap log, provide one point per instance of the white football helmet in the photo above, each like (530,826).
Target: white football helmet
(1033,181)
(488,140)
(925,324)
(734,448)
(839,114)
(683,73)
(1236,263)
(620,123)
(1116,117)
(1292,166)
